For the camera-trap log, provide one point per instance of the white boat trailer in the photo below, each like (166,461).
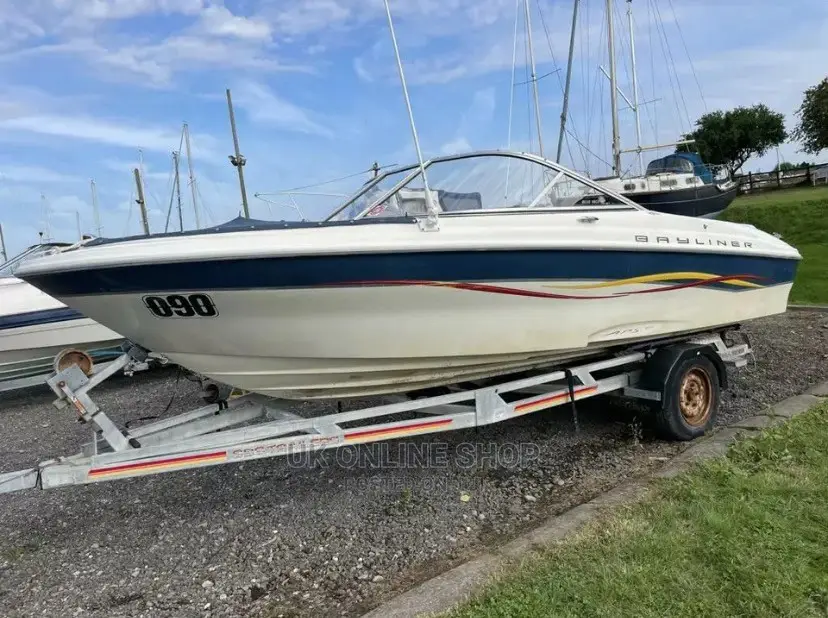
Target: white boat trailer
(211,435)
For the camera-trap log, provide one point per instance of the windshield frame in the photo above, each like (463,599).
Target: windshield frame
(21,257)
(415,169)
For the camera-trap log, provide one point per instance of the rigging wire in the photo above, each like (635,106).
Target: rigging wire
(172,198)
(327,182)
(687,51)
(583,72)
(172,182)
(527,72)
(512,93)
(652,72)
(129,212)
(673,64)
(557,69)
(660,34)
(643,106)
(204,205)
(585,147)
(528,92)
(597,100)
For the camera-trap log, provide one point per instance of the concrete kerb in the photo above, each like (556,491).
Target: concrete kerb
(445,591)
(798,307)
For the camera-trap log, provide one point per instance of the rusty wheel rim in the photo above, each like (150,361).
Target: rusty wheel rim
(696,397)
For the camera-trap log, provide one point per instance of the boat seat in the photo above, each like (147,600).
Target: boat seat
(454,202)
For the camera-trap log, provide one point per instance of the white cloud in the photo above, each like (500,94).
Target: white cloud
(361,71)
(109,132)
(306,16)
(459,144)
(34,174)
(66,205)
(98,32)
(78,11)
(265,106)
(219,21)
(158,63)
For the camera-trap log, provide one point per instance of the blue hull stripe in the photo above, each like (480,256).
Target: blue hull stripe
(375,268)
(38,318)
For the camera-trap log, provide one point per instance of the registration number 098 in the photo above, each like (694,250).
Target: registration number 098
(181,306)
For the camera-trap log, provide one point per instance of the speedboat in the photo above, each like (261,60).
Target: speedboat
(35,327)
(458,269)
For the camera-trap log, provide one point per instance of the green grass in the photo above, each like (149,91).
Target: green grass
(801,217)
(744,535)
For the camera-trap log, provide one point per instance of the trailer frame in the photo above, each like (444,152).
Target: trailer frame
(243,427)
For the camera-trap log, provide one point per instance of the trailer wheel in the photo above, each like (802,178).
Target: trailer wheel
(692,393)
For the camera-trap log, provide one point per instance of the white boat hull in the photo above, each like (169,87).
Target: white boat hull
(355,341)
(415,309)
(35,327)
(27,352)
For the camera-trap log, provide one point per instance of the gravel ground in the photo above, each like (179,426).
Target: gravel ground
(279,538)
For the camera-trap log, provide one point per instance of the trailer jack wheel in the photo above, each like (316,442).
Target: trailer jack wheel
(67,358)
(691,402)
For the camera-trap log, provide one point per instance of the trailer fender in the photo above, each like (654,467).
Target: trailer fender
(661,365)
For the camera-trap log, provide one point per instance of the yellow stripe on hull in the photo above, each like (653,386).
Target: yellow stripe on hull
(677,276)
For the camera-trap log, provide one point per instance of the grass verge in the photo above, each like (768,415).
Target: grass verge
(801,217)
(744,535)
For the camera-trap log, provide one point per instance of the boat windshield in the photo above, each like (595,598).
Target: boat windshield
(7,269)
(474,183)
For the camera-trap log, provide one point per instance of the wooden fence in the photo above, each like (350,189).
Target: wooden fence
(771,181)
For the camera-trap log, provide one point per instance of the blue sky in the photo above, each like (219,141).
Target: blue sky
(85,84)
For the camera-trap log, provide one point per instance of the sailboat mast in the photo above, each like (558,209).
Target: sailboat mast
(635,88)
(46,216)
(139,187)
(237,159)
(95,212)
(565,109)
(77,222)
(178,191)
(616,146)
(191,175)
(534,75)
(3,245)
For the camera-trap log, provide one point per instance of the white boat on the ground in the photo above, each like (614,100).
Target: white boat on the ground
(502,261)
(35,327)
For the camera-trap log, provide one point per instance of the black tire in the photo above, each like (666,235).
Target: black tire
(691,404)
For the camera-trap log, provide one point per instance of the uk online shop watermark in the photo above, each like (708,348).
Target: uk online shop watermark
(408,455)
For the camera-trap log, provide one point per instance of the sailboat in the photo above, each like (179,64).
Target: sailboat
(679,183)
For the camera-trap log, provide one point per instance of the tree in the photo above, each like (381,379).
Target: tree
(812,129)
(730,138)
(787,166)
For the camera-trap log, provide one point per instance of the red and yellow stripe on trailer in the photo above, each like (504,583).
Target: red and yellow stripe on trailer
(408,429)
(157,465)
(555,399)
